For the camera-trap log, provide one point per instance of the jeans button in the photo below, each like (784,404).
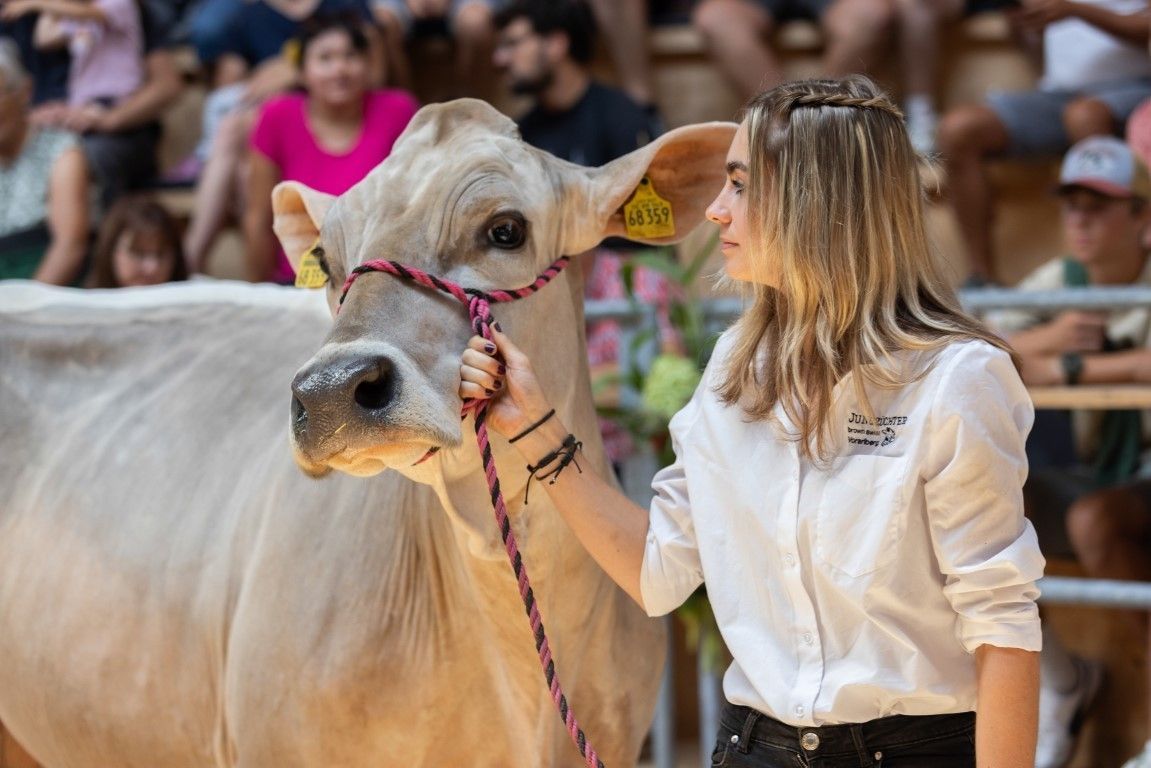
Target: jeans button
(809,741)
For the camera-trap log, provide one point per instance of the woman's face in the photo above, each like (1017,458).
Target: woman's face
(729,211)
(333,70)
(142,258)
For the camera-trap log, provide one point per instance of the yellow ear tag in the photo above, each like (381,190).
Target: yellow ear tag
(309,274)
(648,216)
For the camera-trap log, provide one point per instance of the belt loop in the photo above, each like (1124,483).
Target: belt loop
(748,726)
(860,745)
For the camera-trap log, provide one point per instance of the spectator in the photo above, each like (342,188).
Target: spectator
(1096,71)
(920,23)
(624,26)
(249,69)
(737,34)
(544,49)
(1106,496)
(470,23)
(104,38)
(120,141)
(44,186)
(328,137)
(138,245)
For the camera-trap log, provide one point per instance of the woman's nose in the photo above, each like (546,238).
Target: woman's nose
(717,212)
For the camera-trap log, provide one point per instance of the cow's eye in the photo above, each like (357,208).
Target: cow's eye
(507,232)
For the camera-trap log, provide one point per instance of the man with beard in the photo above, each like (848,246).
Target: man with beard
(545,48)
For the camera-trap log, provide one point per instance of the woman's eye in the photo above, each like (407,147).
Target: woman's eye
(507,233)
(737,186)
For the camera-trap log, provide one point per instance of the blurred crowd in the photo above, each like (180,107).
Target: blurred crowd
(318,91)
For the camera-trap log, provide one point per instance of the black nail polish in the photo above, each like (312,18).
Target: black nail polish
(489,392)
(497,327)
(498,384)
(502,369)
(490,348)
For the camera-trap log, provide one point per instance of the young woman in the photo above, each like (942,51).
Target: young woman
(329,136)
(139,244)
(849,471)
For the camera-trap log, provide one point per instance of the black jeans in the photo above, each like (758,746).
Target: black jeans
(750,739)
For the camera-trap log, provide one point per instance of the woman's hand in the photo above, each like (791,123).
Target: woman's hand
(500,371)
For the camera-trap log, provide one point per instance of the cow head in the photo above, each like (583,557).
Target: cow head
(461,197)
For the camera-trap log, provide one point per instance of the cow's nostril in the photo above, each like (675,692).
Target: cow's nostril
(376,392)
(299,415)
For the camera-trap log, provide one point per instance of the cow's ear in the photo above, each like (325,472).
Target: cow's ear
(297,211)
(684,167)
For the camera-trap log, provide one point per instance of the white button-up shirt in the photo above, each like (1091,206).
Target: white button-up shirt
(859,588)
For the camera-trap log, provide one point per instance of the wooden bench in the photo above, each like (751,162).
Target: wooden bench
(1093,397)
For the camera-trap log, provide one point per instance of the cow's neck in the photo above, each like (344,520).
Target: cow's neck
(462,487)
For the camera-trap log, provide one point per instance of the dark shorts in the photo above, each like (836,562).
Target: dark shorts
(21,252)
(1034,119)
(749,739)
(1056,478)
(122,161)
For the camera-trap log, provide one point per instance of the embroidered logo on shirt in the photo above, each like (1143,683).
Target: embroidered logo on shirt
(878,432)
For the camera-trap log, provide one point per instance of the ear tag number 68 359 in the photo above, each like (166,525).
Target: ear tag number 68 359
(647,215)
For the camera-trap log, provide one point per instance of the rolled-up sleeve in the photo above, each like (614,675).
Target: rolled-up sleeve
(671,567)
(974,473)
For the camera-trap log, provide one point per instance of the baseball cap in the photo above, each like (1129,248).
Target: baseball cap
(1106,165)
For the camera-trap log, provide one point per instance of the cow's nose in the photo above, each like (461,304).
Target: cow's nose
(368,382)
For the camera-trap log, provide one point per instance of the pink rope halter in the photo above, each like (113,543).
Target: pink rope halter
(479,312)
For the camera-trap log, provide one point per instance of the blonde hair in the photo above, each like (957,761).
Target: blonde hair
(835,212)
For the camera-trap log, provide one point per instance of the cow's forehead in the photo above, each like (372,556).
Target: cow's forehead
(444,178)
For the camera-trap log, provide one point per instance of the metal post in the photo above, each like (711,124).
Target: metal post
(710,696)
(1102,593)
(663,729)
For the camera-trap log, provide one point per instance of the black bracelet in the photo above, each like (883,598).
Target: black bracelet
(566,454)
(534,426)
(1072,364)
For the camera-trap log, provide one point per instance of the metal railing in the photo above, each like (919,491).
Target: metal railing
(718,313)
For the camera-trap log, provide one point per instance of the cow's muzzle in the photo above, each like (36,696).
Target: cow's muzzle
(328,395)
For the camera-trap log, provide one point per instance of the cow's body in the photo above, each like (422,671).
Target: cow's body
(174,592)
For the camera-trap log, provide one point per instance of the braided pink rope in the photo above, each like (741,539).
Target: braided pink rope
(479,311)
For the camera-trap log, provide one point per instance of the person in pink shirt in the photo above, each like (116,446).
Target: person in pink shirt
(329,136)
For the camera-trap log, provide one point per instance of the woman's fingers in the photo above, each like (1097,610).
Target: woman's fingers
(484,362)
(480,344)
(472,391)
(513,356)
(471,375)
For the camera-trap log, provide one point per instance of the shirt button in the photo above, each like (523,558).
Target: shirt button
(789,559)
(799,710)
(808,638)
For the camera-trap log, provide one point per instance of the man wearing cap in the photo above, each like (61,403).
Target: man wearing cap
(1101,486)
